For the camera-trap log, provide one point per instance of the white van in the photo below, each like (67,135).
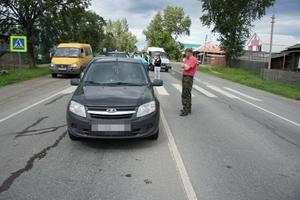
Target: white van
(165,62)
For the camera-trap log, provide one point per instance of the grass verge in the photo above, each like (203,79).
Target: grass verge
(18,75)
(253,80)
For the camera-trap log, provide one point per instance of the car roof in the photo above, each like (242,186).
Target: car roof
(115,59)
(117,52)
(156,49)
(76,45)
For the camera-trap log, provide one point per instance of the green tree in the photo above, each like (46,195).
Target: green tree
(175,21)
(163,27)
(27,15)
(73,25)
(109,42)
(233,21)
(118,30)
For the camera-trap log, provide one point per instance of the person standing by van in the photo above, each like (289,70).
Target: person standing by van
(188,73)
(146,57)
(157,65)
(139,56)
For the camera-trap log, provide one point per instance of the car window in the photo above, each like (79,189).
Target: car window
(67,52)
(121,55)
(162,54)
(116,73)
(88,51)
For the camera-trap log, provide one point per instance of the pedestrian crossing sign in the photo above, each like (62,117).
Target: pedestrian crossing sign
(18,43)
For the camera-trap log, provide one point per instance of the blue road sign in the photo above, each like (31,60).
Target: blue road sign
(18,43)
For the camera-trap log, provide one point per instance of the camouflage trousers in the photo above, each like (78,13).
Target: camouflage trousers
(186,95)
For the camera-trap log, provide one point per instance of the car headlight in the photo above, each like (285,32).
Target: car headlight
(77,109)
(52,65)
(146,109)
(73,65)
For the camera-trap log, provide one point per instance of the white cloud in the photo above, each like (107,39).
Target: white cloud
(140,12)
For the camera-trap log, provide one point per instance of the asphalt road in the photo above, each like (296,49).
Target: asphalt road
(238,143)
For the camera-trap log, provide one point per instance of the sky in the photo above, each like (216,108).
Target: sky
(140,12)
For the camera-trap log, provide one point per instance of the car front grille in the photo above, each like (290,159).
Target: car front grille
(62,66)
(101,112)
(124,116)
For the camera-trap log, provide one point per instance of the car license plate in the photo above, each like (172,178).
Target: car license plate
(62,68)
(111,127)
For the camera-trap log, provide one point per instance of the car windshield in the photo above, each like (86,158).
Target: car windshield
(67,52)
(116,73)
(162,54)
(117,54)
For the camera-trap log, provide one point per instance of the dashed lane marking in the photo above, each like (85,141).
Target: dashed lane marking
(179,87)
(203,91)
(217,89)
(200,81)
(162,91)
(242,94)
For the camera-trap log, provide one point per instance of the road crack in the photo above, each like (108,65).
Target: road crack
(6,184)
(39,131)
(25,130)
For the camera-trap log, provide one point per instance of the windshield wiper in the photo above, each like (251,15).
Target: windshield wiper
(92,83)
(114,83)
(125,83)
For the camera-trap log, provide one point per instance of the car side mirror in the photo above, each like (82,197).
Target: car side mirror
(157,82)
(75,81)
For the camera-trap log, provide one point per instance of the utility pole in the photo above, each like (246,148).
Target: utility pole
(203,56)
(271,41)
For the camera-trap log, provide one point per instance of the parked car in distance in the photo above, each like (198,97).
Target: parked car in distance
(69,58)
(165,62)
(119,54)
(115,100)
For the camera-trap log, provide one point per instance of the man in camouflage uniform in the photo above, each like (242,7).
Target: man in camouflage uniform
(188,73)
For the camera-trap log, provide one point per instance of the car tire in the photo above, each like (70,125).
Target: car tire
(54,75)
(155,136)
(166,70)
(72,137)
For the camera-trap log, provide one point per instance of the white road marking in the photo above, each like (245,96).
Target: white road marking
(65,91)
(203,91)
(217,89)
(242,94)
(179,87)
(200,81)
(267,111)
(187,184)
(245,101)
(69,90)
(162,91)
(195,78)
